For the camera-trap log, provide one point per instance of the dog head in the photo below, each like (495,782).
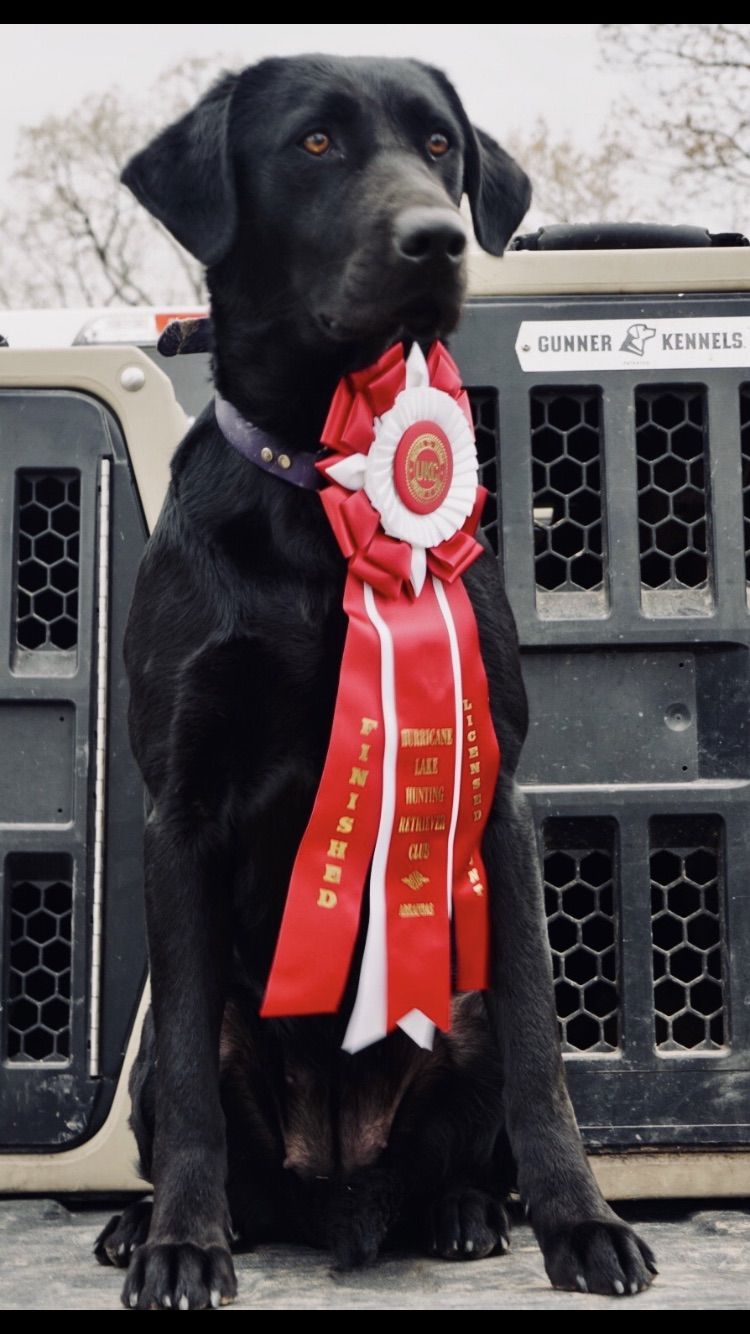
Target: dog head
(324,192)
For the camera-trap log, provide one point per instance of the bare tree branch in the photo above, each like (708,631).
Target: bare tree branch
(571,184)
(691,105)
(74,235)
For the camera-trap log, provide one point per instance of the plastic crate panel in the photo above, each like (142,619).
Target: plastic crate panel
(566,453)
(687,928)
(39,955)
(48,520)
(673,514)
(579,889)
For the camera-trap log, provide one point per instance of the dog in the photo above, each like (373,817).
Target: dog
(322,196)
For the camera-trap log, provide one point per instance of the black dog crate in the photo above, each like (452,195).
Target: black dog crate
(611,393)
(79,433)
(614,431)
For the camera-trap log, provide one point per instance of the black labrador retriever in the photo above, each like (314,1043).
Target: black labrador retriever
(322,195)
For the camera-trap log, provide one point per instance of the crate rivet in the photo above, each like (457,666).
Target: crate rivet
(678,717)
(132,378)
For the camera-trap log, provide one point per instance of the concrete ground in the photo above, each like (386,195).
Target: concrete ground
(702,1249)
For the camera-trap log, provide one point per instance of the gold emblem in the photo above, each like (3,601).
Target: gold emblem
(415,880)
(426,467)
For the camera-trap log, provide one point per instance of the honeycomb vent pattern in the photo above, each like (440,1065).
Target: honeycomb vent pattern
(672,510)
(566,451)
(48,525)
(579,899)
(687,934)
(484,411)
(39,958)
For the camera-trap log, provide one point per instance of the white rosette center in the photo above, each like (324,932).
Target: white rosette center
(417,402)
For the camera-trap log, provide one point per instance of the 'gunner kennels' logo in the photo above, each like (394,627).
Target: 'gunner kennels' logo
(636,338)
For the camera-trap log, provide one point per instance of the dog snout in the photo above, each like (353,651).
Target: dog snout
(425,235)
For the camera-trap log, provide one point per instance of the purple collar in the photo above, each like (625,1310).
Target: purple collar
(263,450)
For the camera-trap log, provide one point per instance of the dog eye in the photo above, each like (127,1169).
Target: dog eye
(438,144)
(316,143)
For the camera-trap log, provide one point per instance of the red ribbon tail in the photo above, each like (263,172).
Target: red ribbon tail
(321,918)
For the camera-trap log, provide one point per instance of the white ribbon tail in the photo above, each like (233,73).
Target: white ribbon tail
(458,691)
(418,567)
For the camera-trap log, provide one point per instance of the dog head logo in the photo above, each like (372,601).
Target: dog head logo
(636,338)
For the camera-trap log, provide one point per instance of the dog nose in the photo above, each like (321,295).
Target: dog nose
(423,234)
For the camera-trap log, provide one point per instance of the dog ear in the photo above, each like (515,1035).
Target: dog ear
(185,177)
(499,191)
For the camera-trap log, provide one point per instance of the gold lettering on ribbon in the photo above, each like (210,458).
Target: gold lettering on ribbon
(475,766)
(418,852)
(426,736)
(426,764)
(420,824)
(327,898)
(416,909)
(474,881)
(419,796)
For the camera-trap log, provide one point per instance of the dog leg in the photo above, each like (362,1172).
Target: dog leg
(185,1262)
(117,1241)
(585,1245)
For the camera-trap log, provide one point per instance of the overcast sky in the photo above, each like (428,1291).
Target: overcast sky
(508,74)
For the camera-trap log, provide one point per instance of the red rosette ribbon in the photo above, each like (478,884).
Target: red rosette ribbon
(413,759)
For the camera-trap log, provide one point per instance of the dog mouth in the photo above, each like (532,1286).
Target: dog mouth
(425,318)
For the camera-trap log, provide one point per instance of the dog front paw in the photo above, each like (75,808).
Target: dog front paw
(117,1241)
(185,1277)
(596,1256)
(467,1225)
